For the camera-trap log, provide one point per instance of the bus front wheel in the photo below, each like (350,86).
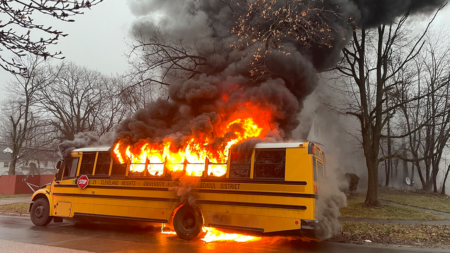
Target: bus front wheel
(40,212)
(188,222)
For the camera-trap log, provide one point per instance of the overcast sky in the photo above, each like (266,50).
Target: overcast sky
(96,39)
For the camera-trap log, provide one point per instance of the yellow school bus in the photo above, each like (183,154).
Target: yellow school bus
(272,189)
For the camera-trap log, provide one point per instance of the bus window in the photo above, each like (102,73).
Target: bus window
(103,163)
(71,166)
(314,169)
(155,170)
(270,164)
(240,164)
(87,163)
(59,173)
(217,170)
(320,168)
(118,169)
(74,167)
(137,169)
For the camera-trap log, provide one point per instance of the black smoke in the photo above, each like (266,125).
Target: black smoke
(208,25)
(375,12)
(85,139)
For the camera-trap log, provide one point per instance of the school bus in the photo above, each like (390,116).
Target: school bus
(272,189)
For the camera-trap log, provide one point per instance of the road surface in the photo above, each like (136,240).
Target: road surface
(18,234)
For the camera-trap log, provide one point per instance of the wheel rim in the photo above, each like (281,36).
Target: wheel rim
(39,212)
(188,221)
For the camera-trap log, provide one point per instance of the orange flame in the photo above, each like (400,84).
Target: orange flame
(167,232)
(202,152)
(214,235)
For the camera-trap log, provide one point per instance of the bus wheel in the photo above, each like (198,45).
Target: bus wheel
(187,222)
(40,213)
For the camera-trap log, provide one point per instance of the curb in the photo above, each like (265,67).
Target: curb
(16,214)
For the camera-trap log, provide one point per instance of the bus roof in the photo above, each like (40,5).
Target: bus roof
(259,145)
(94,149)
(279,145)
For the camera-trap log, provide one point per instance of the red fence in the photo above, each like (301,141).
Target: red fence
(14,185)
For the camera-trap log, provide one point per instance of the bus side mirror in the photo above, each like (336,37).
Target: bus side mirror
(58,164)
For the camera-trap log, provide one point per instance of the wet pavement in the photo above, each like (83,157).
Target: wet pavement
(12,247)
(20,233)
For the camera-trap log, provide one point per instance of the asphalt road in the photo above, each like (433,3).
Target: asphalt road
(18,234)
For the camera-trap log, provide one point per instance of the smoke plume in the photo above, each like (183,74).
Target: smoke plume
(376,12)
(184,189)
(197,103)
(85,139)
(327,208)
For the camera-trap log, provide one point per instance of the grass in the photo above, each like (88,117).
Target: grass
(416,235)
(354,209)
(20,208)
(3,196)
(427,201)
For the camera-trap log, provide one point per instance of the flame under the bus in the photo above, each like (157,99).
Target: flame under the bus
(202,151)
(214,235)
(167,232)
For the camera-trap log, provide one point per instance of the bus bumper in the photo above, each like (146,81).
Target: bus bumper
(308,224)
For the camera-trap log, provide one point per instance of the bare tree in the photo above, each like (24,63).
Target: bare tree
(18,23)
(81,100)
(432,68)
(269,23)
(155,59)
(392,50)
(21,118)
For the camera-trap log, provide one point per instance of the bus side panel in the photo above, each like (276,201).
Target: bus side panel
(299,168)
(95,202)
(264,223)
(268,219)
(238,220)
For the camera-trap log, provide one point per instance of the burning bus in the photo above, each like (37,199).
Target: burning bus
(271,188)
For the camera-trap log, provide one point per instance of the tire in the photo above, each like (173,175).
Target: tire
(40,213)
(188,222)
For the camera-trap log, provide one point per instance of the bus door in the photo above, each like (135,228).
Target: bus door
(62,207)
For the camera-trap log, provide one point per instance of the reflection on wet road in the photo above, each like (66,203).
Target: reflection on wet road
(120,238)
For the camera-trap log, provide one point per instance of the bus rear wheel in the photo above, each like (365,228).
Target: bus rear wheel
(188,222)
(40,213)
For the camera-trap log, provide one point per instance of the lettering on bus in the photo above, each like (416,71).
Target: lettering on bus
(128,183)
(159,184)
(172,184)
(230,186)
(109,182)
(208,185)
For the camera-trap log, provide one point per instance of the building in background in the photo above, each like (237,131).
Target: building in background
(5,159)
(43,166)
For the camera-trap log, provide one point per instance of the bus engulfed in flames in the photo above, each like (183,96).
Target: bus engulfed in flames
(199,153)
(203,153)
